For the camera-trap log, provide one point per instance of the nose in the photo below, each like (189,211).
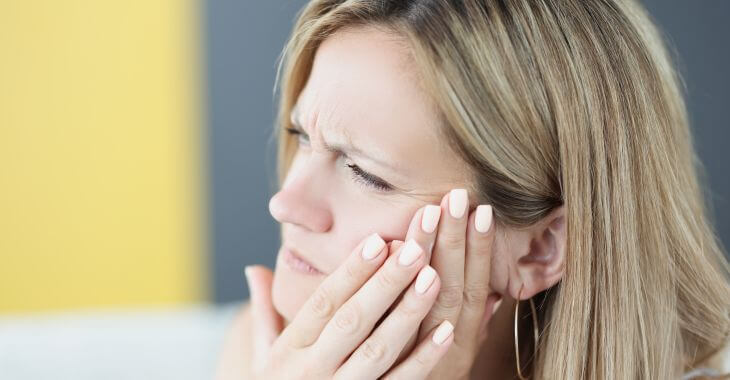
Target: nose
(302,199)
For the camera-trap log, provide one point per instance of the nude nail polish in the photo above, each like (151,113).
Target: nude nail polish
(442,332)
(373,245)
(425,279)
(457,202)
(409,253)
(496,306)
(430,218)
(483,218)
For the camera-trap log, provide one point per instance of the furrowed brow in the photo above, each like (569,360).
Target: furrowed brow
(348,148)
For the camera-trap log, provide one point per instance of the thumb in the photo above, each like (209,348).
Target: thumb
(267,323)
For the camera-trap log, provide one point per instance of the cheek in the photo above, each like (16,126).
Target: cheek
(353,221)
(363,218)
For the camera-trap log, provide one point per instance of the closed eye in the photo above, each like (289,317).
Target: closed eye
(358,174)
(369,179)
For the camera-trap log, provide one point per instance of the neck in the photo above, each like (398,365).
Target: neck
(496,358)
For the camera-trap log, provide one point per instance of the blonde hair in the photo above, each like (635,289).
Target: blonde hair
(570,102)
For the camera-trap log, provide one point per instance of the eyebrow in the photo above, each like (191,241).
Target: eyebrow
(348,149)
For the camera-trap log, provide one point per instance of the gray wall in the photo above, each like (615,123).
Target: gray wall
(244,39)
(700,34)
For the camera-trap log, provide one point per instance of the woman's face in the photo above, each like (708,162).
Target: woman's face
(385,159)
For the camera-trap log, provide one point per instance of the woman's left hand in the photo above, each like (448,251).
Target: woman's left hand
(461,255)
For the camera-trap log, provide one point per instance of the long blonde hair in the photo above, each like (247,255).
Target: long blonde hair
(570,102)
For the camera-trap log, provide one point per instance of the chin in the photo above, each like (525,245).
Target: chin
(290,290)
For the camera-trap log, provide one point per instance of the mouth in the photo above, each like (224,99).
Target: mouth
(299,263)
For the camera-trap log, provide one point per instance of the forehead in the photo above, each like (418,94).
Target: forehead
(364,88)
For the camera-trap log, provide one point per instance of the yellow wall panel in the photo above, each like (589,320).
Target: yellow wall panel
(100,154)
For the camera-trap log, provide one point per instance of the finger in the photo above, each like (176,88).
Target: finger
(336,288)
(423,227)
(380,350)
(448,259)
(356,318)
(394,245)
(266,321)
(480,237)
(426,355)
(494,301)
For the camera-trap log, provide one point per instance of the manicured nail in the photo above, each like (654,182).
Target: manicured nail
(496,306)
(483,219)
(457,203)
(373,245)
(251,285)
(409,253)
(430,218)
(425,279)
(442,332)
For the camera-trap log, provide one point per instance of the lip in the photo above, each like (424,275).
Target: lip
(299,263)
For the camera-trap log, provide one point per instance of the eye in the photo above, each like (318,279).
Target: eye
(358,174)
(303,137)
(368,179)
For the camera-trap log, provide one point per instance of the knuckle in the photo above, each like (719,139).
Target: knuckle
(475,296)
(372,351)
(410,309)
(479,249)
(352,269)
(347,319)
(451,241)
(293,340)
(387,279)
(450,297)
(321,305)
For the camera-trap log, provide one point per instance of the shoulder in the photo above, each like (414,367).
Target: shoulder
(234,361)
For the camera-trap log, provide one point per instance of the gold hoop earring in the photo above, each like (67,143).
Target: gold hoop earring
(535,332)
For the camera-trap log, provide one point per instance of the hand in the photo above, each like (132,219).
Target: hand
(332,335)
(462,257)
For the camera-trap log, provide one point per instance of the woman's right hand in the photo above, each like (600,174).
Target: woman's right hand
(332,335)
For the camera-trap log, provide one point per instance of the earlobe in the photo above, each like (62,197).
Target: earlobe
(543,265)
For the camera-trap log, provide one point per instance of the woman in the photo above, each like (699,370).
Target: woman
(484,189)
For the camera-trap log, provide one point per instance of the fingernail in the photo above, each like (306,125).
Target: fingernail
(496,306)
(442,332)
(457,202)
(247,273)
(425,279)
(372,247)
(483,218)
(430,219)
(410,253)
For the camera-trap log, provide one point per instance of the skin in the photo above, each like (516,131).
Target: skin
(362,92)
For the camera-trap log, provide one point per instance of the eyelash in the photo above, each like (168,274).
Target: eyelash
(367,178)
(358,174)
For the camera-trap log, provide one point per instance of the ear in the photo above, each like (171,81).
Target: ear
(543,265)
